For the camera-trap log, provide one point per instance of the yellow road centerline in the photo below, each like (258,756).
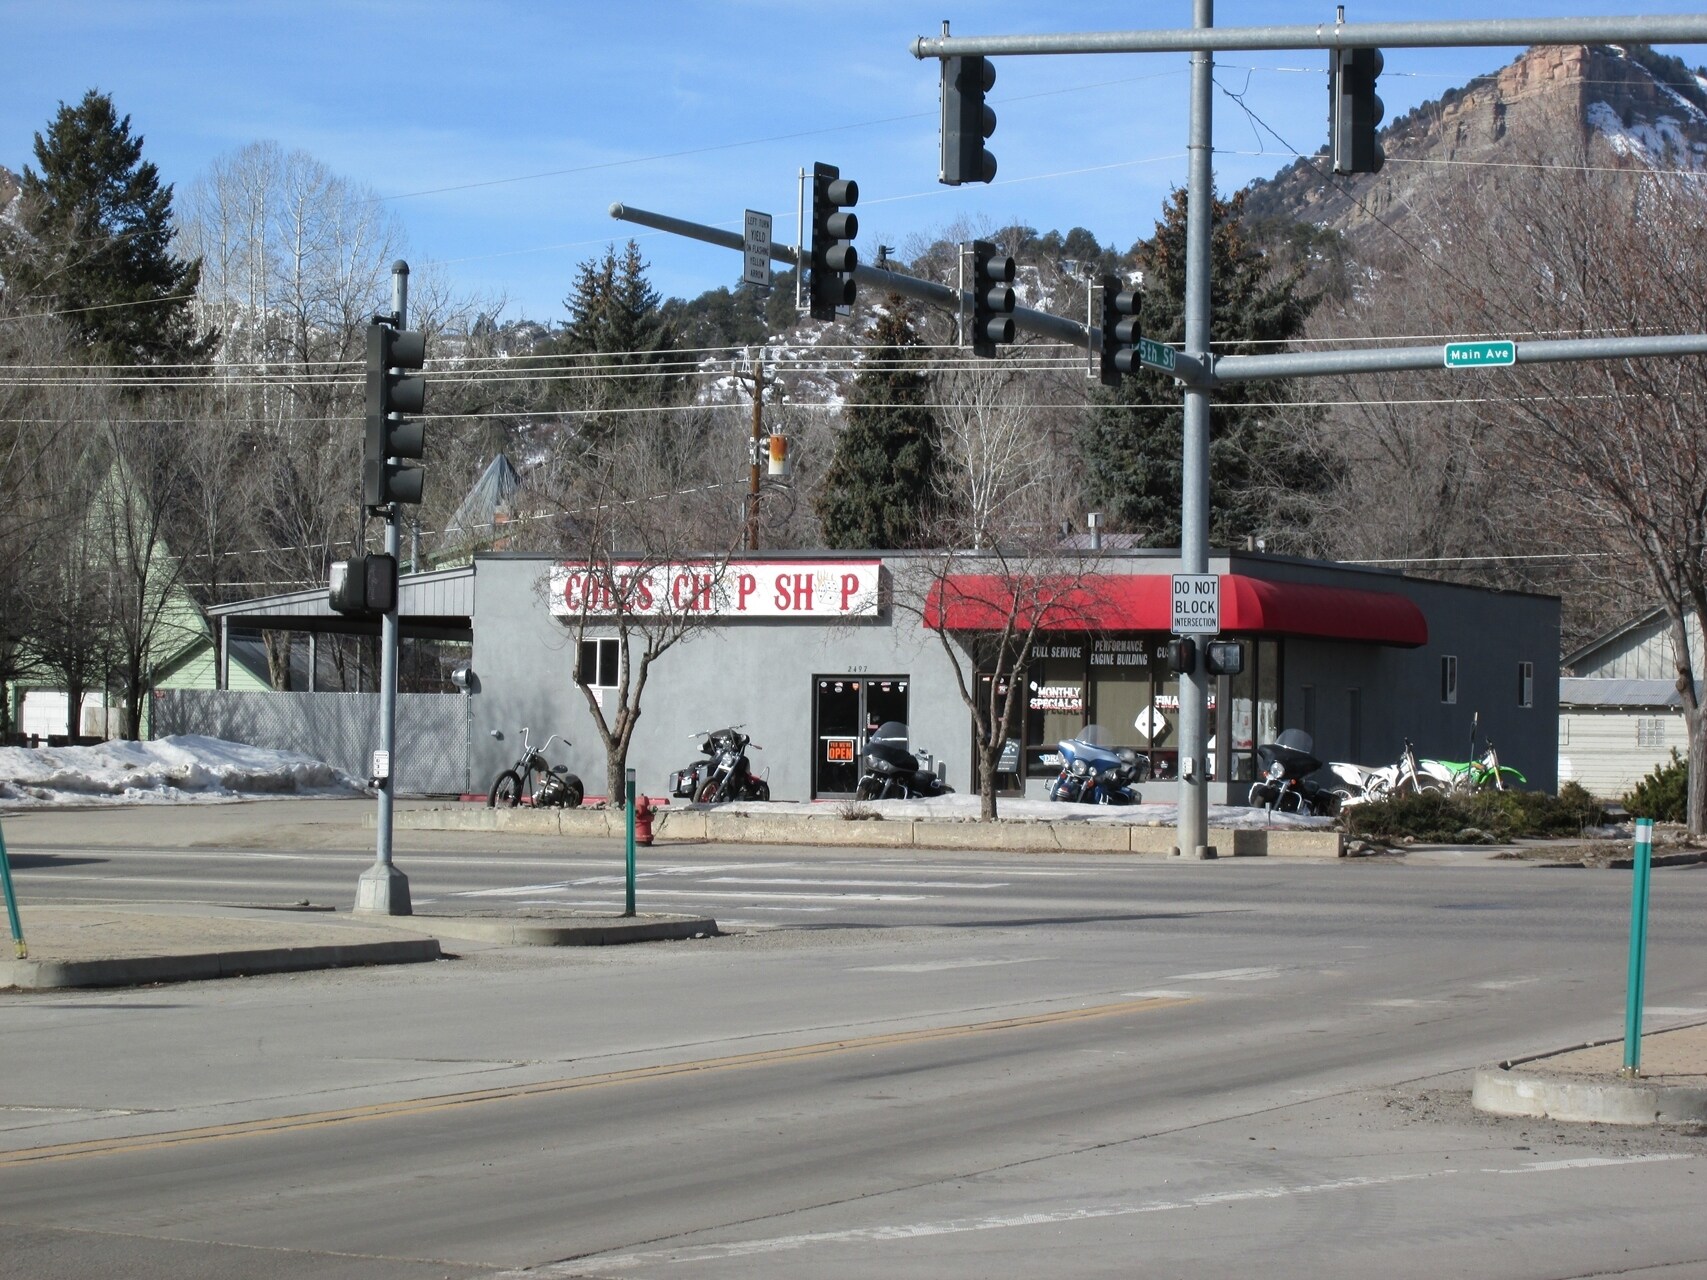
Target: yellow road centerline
(545,1088)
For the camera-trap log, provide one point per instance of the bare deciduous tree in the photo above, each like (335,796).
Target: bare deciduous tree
(1593,250)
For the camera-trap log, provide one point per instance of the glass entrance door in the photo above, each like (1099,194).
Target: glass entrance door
(845,712)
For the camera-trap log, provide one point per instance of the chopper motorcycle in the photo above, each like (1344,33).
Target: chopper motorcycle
(557,786)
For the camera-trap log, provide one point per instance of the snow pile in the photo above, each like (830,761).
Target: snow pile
(168,770)
(965,808)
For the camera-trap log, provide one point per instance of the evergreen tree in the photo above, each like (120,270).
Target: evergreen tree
(617,329)
(1258,466)
(94,243)
(878,491)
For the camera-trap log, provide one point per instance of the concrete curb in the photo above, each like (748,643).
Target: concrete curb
(542,933)
(1510,1089)
(717,826)
(130,971)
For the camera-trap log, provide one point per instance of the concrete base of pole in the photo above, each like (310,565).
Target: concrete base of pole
(383,891)
(1203,852)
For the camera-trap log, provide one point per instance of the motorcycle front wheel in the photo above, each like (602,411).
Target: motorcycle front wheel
(866,789)
(708,792)
(506,790)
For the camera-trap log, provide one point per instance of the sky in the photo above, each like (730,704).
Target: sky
(500,131)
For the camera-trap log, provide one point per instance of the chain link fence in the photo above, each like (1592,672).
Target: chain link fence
(341,729)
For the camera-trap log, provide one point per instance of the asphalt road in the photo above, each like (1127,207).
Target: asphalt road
(927,1065)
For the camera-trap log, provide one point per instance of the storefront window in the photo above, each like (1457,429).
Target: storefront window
(1125,685)
(1268,690)
(1055,707)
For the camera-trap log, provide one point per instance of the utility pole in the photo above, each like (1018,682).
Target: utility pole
(757,445)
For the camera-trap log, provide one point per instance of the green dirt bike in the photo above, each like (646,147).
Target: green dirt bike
(1482,772)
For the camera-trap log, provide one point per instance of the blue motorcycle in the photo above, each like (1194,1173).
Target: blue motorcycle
(1095,771)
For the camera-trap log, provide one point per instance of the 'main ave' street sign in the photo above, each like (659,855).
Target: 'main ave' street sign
(1480,355)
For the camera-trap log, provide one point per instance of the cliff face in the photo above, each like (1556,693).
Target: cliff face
(1551,103)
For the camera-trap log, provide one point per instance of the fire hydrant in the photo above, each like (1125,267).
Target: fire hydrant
(643,821)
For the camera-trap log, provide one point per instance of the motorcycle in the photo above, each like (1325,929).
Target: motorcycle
(1093,771)
(726,773)
(1285,784)
(892,771)
(1356,784)
(1482,771)
(515,785)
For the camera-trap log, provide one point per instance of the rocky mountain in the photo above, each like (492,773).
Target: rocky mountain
(1549,102)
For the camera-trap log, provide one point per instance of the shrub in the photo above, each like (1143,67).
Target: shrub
(1664,794)
(1501,815)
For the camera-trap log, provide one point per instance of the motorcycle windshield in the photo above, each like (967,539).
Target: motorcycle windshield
(891,731)
(1296,740)
(1094,735)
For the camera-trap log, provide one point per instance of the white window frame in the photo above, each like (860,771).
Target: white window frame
(1526,684)
(607,662)
(1449,679)
(1651,731)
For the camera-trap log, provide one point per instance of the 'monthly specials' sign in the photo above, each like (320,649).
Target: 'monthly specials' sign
(746,589)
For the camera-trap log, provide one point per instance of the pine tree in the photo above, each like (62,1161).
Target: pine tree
(617,324)
(94,243)
(878,491)
(1258,467)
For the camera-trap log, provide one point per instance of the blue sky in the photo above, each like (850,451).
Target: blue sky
(501,131)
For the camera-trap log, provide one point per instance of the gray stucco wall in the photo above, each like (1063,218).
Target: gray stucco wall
(760,673)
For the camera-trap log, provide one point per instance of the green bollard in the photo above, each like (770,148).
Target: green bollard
(12,901)
(1641,866)
(628,789)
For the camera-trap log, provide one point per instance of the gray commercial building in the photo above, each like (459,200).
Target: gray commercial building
(811,651)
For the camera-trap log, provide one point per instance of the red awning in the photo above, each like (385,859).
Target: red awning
(1142,602)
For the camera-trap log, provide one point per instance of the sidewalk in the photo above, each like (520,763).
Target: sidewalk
(1585,1084)
(117,946)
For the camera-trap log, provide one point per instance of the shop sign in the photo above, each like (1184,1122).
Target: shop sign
(1057,697)
(1074,651)
(1120,653)
(1009,763)
(839,750)
(749,589)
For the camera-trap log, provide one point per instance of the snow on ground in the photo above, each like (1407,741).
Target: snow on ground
(168,770)
(190,768)
(964,808)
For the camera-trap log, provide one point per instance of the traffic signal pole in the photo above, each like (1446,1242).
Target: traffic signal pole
(383,889)
(1194,474)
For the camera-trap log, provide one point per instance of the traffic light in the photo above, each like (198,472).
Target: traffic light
(833,231)
(393,391)
(992,298)
(966,121)
(1121,327)
(1354,112)
(364,586)
(1182,655)
(1223,657)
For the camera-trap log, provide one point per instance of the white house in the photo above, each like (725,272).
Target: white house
(1620,715)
